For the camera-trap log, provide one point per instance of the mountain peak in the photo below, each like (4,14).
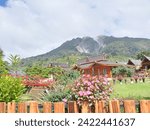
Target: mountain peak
(110,45)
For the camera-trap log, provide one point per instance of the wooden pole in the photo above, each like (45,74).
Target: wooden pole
(47,107)
(2,107)
(22,107)
(59,107)
(129,106)
(114,106)
(11,107)
(145,106)
(34,107)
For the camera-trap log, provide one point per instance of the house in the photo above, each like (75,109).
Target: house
(145,63)
(135,63)
(96,66)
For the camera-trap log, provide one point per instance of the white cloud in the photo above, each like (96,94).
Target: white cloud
(32,27)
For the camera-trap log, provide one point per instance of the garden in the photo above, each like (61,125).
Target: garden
(70,85)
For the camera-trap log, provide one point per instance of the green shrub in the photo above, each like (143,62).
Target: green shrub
(122,70)
(57,94)
(11,89)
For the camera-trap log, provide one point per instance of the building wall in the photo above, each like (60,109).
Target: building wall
(99,70)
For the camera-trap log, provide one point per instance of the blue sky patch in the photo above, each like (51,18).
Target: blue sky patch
(3,2)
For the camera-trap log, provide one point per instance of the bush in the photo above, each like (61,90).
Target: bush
(122,70)
(88,88)
(68,77)
(57,94)
(11,89)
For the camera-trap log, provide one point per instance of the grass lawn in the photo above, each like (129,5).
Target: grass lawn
(135,91)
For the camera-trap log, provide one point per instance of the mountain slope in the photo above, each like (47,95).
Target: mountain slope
(124,46)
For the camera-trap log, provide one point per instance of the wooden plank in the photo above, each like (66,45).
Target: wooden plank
(100,107)
(73,107)
(85,107)
(11,107)
(2,107)
(59,107)
(47,107)
(114,106)
(145,106)
(22,107)
(129,106)
(34,107)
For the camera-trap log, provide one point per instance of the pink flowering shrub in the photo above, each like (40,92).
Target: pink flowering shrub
(91,88)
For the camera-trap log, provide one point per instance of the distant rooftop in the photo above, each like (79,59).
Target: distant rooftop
(135,62)
(92,59)
(147,57)
(63,65)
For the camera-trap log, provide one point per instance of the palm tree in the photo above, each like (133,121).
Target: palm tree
(15,61)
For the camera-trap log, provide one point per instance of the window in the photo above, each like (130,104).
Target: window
(104,71)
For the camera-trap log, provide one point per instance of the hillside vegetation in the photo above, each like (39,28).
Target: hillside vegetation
(70,51)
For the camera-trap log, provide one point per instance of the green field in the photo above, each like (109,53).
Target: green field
(135,91)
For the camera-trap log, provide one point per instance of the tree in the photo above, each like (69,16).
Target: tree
(15,62)
(141,55)
(3,66)
(122,70)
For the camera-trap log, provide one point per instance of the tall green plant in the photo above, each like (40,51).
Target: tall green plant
(14,61)
(11,89)
(3,66)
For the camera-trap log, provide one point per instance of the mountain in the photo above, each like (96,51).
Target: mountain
(122,46)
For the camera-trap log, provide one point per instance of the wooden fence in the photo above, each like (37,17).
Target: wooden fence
(114,106)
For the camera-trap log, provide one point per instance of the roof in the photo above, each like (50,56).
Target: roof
(147,57)
(85,66)
(92,59)
(108,63)
(135,62)
(89,65)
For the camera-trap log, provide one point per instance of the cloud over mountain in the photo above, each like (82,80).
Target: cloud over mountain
(32,27)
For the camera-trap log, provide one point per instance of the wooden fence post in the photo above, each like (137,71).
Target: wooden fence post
(145,106)
(22,107)
(59,107)
(73,107)
(85,107)
(47,107)
(114,106)
(100,107)
(34,107)
(129,106)
(11,107)
(2,107)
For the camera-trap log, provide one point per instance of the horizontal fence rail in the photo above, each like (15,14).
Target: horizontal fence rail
(114,106)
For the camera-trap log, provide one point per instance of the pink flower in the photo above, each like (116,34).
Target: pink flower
(88,83)
(64,100)
(92,87)
(81,93)
(105,83)
(88,92)
(78,84)
(92,97)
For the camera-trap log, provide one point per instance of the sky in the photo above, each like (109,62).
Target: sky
(33,27)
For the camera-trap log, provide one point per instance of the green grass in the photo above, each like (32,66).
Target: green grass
(136,91)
